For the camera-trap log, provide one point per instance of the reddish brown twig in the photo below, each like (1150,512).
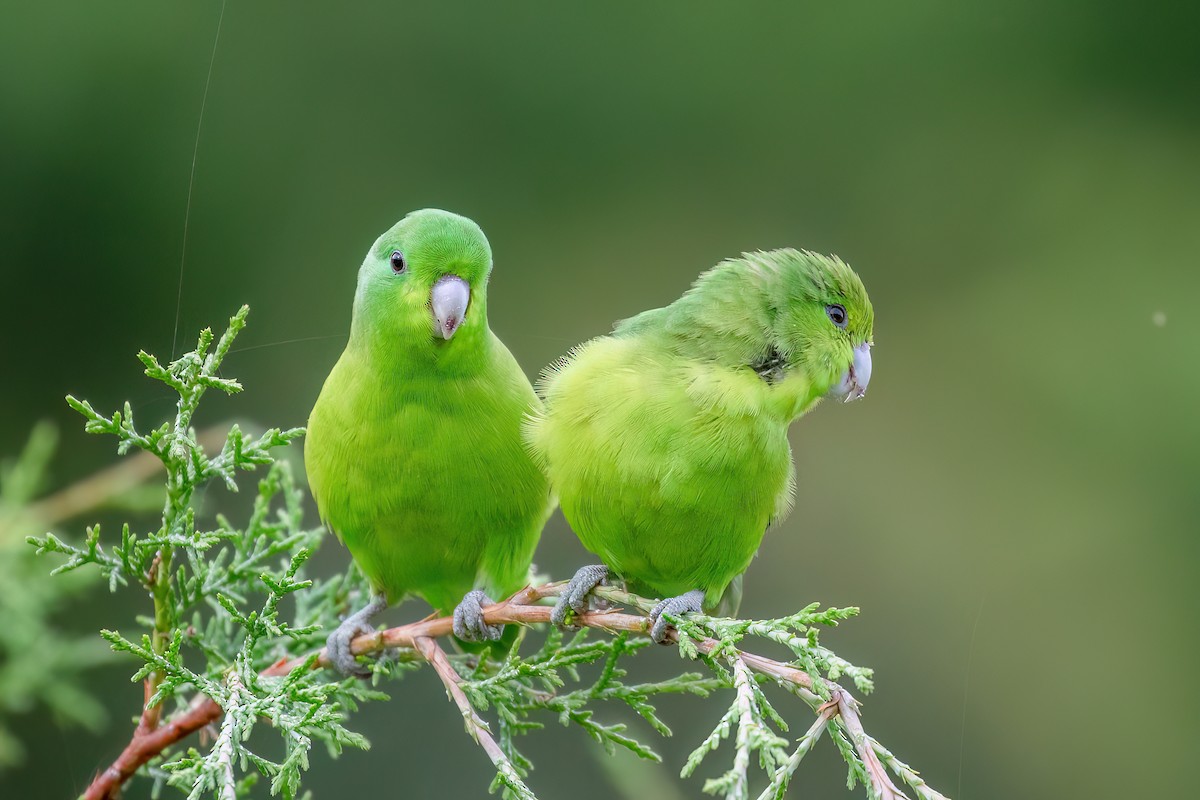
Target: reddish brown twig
(521,609)
(145,746)
(433,653)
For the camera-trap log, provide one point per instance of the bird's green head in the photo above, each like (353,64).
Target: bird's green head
(425,280)
(781,313)
(823,321)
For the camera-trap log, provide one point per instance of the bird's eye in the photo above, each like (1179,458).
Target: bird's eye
(398,263)
(837,314)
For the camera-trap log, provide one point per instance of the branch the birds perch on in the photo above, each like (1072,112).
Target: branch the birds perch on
(525,608)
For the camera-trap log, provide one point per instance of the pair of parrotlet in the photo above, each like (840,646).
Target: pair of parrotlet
(665,442)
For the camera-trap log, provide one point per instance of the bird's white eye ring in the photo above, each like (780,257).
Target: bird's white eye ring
(399,265)
(837,314)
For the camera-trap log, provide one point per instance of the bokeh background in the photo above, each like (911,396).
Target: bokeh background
(1018,184)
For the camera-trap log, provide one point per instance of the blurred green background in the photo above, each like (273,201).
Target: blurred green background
(1018,184)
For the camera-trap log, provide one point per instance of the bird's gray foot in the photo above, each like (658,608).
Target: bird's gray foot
(337,646)
(574,598)
(687,603)
(468,619)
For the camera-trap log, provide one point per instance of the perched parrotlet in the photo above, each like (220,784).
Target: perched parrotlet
(414,451)
(666,441)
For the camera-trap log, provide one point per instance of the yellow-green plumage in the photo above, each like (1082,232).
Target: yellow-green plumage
(666,441)
(414,451)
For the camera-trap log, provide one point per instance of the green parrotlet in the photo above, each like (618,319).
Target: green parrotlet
(666,441)
(414,450)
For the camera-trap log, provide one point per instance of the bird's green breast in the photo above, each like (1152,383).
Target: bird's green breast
(670,469)
(424,476)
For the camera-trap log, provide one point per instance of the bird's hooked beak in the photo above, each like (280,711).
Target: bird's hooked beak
(449,300)
(853,383)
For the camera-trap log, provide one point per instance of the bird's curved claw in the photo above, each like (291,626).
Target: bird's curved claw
(469,624)
(337,646)
(574,598)
(688,603)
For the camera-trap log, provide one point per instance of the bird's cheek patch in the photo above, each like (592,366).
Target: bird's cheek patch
(772,367)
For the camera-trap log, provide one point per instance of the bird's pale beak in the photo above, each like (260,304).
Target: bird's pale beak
(449,300)
(853,384)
